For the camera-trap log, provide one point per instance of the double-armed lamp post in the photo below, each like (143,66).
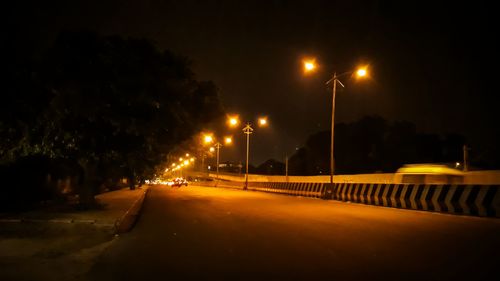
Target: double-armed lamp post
(208,139)
(310,66)
(218,145)
(247,130)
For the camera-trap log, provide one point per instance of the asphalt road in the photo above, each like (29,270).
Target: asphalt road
(203,233)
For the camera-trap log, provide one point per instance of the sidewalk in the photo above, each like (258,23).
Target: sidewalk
(50,245)
(119,211)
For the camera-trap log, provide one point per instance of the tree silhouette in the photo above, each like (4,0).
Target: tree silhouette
(112,101)
(372,144)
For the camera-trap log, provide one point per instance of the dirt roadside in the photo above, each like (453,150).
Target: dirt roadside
(64,246)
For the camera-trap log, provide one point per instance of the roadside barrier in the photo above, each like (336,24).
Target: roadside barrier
(473,200)
(307,189)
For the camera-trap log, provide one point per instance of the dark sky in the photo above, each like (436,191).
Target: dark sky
(433,64)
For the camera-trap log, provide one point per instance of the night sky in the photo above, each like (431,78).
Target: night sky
(432,64)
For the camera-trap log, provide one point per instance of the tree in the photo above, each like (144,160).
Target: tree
(116,101)
(371,144)
(271,167)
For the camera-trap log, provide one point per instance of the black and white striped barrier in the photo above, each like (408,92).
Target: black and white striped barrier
(308,189)
(474,200)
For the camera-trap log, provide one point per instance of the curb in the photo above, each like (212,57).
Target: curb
(127,221)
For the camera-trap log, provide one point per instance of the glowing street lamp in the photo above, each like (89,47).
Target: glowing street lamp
(309,65)
(208,139)
(248,130)
(335,79)
(233,120)
(361,72)
(218,145)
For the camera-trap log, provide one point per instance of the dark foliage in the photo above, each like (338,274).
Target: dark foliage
(271,167)
(372,144)
(113,106)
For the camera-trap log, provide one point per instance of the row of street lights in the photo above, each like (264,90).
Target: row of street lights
(208,139)
(183,163)
(233,121)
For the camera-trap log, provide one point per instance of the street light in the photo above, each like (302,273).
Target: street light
(361,72)
(218,145)
(248,130)
(207,138)
(233,120)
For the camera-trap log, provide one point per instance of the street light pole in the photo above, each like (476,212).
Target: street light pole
(309,65)
(286,167)
(247,130)
(334,80)
(202,162)
(466,158)
(218,145)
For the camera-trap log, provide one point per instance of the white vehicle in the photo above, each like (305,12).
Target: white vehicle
(428,174)
(180,182)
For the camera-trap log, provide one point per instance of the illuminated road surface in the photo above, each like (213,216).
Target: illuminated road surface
(198,233)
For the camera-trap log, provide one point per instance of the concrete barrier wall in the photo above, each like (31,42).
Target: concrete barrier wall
(482,177)
(307,189)
(473,200)
(359,178)
(476,177)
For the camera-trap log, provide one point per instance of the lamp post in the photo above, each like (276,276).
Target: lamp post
(218,145)
(361,72)
(248,130)
(233,121)
(227,140)
(335,79)
(207,138)
(286,167)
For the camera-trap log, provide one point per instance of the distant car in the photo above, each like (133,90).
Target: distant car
(180,182)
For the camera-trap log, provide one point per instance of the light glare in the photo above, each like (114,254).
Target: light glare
(208,139)
(361,72)
(309,65)
(233,120)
